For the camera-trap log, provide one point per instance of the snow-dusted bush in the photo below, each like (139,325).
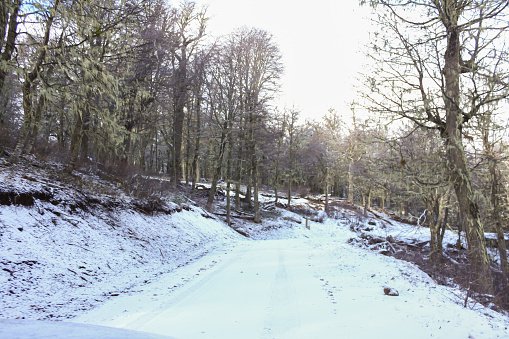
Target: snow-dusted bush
(320,216)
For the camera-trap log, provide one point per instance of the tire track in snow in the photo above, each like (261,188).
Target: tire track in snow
(283,314)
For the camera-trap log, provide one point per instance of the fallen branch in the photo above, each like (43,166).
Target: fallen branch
(241,232)
(206,215)
(448,257)
(392,247)
(72,271)
(387,221)
(375,214)
(83,248)
(247,217)
(418,245)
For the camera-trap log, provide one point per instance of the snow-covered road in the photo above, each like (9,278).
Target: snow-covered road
(311,286)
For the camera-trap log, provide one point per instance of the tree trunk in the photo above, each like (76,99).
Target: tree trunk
(257,215)
(178,119)
(444,225)
(61,126)
(75,143)
(34,129)
(187,170)
(496,193)
(435,256)
(438,213)
(195,165)
(326,191)
(213,186)
(237,194)
(27,118)
(239,169)
(219,164)
(143,146)
(229,175)
(254,162)
(249,192)
(10,41)
(276,181)
(93,101)
(365,201)
(86,131)
(291,131)
(289,198)
(502,250)
(251,161)
(459,172)
(350,182)
(4,16)
(155,160)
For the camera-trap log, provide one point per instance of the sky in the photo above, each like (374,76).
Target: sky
(321,42)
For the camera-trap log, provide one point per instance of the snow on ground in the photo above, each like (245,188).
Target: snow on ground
(52,269)
(185,275)
(57,260)
(384,226)
(313,284)
(33,329)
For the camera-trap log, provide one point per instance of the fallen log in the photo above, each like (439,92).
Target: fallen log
(244,217)
(241,232)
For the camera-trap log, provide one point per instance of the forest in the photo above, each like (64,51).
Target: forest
(139,87)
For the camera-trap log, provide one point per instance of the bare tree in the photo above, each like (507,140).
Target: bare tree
(9,11)
(493,152)
(188,32)
(31,74)
(437,63)
(292,142)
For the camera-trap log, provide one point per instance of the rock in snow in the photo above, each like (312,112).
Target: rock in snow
(391,291)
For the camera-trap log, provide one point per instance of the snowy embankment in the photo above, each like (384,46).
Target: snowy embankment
(65,250)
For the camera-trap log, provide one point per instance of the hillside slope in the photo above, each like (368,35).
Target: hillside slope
(66,247)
